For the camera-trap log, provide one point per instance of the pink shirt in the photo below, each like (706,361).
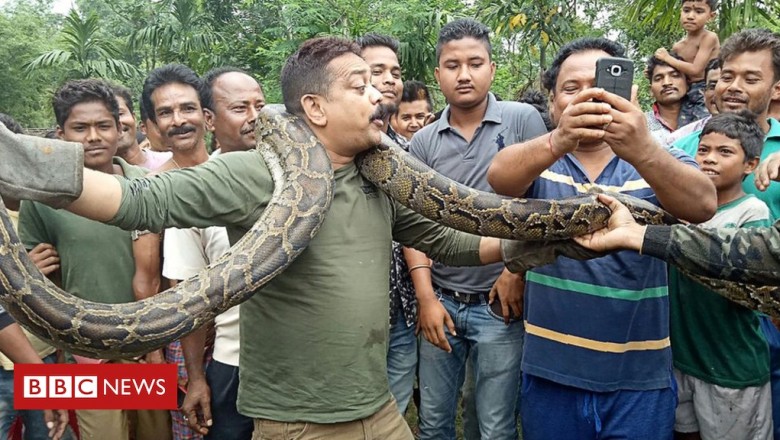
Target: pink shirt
(155,159)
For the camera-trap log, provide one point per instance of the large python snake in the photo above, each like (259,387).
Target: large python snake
(303,190)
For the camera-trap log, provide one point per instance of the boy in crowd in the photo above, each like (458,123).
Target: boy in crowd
(696,49)
(96,260)
(415,110)
(721,357)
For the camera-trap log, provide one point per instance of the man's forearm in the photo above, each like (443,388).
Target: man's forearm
(683,190)
(192,347)
(100,197)
(490,250)
(515,167)
(15,345)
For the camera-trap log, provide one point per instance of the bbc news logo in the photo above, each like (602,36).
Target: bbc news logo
(95,386)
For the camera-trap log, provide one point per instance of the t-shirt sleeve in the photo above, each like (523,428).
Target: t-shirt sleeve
(531,123)
(682,156)
(5,318)
(183,254)
(32,228)
(232,189)
(443,244)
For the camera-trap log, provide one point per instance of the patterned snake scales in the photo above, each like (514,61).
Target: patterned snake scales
(303,191)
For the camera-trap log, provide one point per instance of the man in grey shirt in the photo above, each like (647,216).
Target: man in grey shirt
(461,145)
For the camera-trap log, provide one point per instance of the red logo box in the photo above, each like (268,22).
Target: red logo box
(96,386)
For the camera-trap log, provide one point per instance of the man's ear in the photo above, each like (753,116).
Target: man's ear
(751,165)
(312,107)
(775,92)
(60,133)
(436,75)
(208,117)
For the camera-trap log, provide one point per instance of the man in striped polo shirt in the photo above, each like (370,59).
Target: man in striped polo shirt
(597,360)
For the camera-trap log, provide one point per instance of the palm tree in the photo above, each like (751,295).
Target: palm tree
(83,50)
(181,32)
(733,15)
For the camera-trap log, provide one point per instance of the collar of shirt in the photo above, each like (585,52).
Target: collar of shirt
(657,115)
(492,114)
(774,129)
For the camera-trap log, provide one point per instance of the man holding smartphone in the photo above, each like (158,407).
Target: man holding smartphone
(597,359)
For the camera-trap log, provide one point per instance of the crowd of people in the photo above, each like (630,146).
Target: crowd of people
(620,346)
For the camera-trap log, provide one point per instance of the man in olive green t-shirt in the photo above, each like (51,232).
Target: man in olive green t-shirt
(313,342)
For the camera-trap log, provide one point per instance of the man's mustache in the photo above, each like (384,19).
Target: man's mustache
(184,129)
(383,111)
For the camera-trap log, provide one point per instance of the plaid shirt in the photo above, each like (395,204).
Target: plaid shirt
(402,296)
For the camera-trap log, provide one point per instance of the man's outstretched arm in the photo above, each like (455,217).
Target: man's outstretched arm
(749,255)
(100,197)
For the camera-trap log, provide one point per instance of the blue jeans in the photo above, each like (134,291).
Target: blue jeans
(772,336)
(495,351)
(228,423)
(34,424)
(401,361)
(554,411)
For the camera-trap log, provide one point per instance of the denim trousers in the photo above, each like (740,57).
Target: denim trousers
(34,424)
(772,336)
(401,361)
(495,350)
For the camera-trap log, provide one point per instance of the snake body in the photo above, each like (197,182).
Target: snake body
(303,190)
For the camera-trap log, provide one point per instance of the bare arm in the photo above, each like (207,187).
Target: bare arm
(681,189)
(15,345)
(100,197)
(147,278)
(693,69)
(515,167)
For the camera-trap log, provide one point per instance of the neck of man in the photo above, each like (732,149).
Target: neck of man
(774,110)
(731,194)
(132,154)
(109,168)
(191,157)
(468,117)
(594,158)
(670,113)
(762,121)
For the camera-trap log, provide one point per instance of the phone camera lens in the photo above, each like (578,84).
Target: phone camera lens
(615,70)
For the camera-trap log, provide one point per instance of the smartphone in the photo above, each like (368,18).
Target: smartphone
(615,75)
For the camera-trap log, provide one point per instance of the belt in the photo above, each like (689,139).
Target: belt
(465,298)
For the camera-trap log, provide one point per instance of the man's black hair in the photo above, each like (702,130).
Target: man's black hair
(416,91)
(168,74)
(79,91)
(372,39)
(654,62)
(713,4)
(124,93)
(550,77)
(306,71)
(713,64)
(464,28)
(537,100)
(142,110)
(753,40)
(740,126)
(11,124)
(208,80)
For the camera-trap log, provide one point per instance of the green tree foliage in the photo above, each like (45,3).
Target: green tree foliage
(83,52)
(123,39)
(25,30)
